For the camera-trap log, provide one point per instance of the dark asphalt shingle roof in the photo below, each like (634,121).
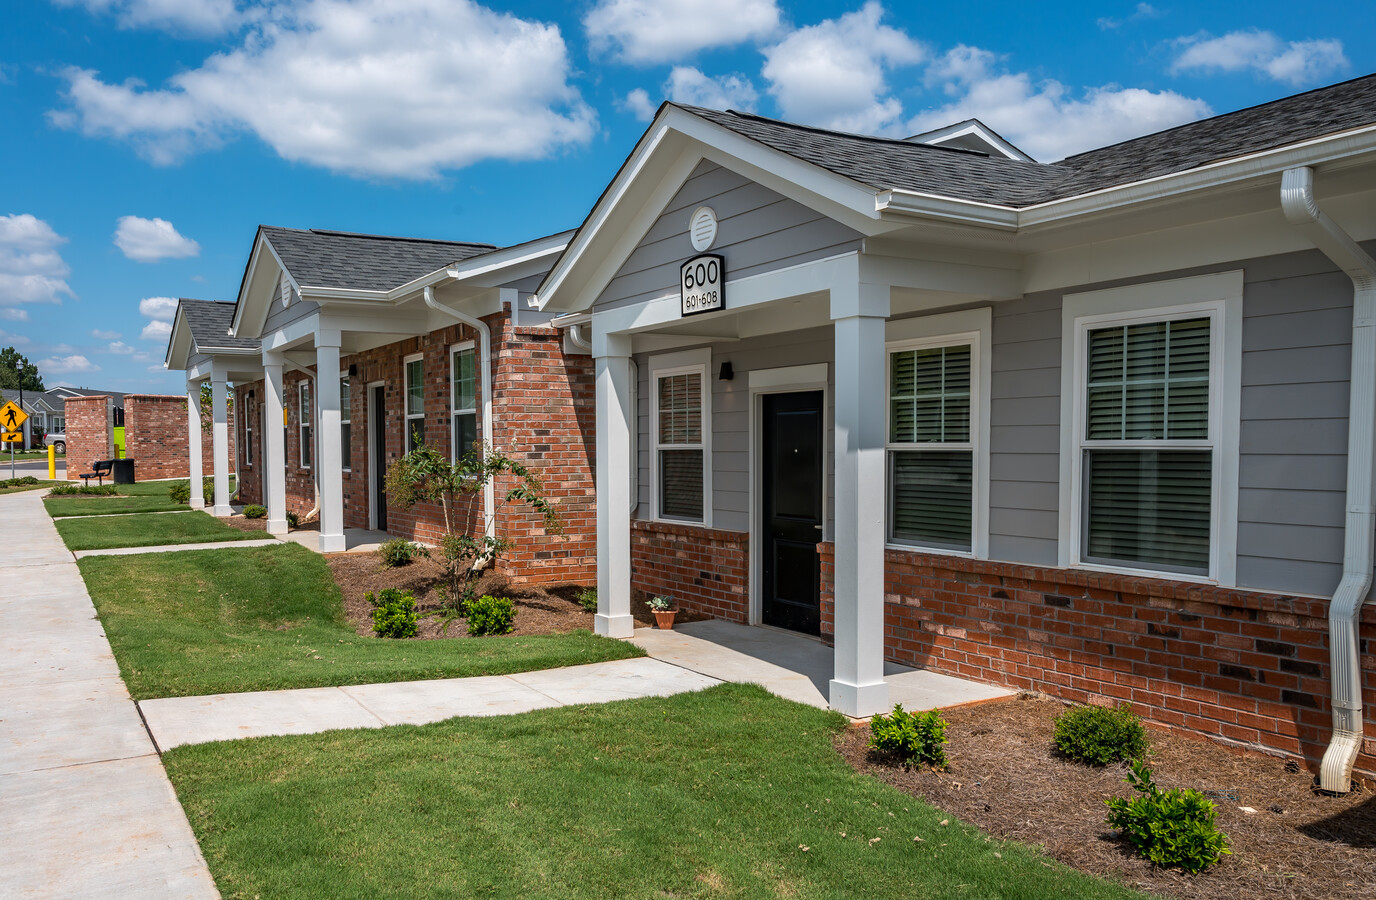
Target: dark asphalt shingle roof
(883,163)
(370,262)
(209,322)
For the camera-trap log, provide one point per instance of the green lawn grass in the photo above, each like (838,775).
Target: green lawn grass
(265,618)
(42,485)
(730,792)
(189,527)
(143,496)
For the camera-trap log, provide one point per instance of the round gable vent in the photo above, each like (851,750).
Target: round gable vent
(702,228)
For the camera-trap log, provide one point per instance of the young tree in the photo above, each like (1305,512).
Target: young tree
(17,373)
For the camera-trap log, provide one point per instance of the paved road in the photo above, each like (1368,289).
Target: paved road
(38,468)
(86,809)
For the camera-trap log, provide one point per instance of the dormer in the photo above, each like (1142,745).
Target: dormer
(972,134)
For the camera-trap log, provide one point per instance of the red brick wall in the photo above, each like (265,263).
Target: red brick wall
(1244,667)
(88,433)
(156,439)
(543,416)
(705,569)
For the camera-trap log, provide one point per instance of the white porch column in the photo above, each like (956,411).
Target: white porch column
(859,312)
(331,453)
(274,445)
(220,438)
(193,442)
(612,353)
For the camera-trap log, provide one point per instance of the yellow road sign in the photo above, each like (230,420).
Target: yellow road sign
(12,418)
(12,437)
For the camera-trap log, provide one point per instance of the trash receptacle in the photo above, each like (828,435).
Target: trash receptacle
(123,471)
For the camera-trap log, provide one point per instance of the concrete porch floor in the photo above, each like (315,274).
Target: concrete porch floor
(356,540)
(794,666)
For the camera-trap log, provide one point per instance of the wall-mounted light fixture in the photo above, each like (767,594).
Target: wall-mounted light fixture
(353,370)
(727,373)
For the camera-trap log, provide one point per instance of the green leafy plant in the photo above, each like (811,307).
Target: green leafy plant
(89,490)
(490,615)
(208,487)
(587,598)
(399,552)
(293,520)
(911,738)
(1097,735)
(394,613)
(18,482)
(660,604)
(179,492)
(254,511)
(1170,828)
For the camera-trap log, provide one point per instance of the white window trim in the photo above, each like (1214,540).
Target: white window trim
(406,415)
(973,327)
(302,387)
(344,379)
(1218,296)
(247,453)
(454,411)
(682,363)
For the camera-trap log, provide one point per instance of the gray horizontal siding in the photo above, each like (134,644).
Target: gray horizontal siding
(280,316)
(758,230)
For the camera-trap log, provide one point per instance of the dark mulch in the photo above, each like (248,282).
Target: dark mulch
(1005,778)
(551,609)
(246,524)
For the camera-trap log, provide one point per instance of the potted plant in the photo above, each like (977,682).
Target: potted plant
(664,610)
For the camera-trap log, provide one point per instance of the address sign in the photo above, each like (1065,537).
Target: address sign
(702,284)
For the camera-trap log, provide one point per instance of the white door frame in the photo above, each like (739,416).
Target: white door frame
(786,380)
(374,464)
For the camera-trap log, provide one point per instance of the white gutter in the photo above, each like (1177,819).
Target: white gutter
(1359,541)
(485,361)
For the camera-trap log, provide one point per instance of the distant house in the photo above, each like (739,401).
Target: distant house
(47,409)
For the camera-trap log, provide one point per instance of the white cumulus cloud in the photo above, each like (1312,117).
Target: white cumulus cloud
(14,340)
(1046,119)
(102,335)
(156,331)
(162,309)
(654,32)
(402,89)
(31,269)
(834,74)
(198,17)
(14,313)
(1295,63)
(151,240)
(688,85)
(65,365)
(1142,12)
(119,348)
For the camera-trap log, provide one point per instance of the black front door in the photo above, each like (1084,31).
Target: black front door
(792,505)
(379,454)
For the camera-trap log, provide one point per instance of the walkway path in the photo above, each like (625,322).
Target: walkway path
(173,548)
(86,809)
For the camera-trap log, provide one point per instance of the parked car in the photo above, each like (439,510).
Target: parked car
(57,439)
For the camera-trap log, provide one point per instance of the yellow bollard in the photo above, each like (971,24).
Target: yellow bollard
(52,462)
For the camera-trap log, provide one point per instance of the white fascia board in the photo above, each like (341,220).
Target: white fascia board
(939,136)
(173,359)
(510,262)
(946,209)
(254,328)
(1330,148)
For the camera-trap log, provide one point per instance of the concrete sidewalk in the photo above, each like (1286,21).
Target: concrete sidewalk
(175,721)
(173,548)
(86,809)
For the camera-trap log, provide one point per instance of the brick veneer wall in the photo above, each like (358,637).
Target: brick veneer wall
(706,570)
(543,415)
(1244,667)
(156,439)
(88,433)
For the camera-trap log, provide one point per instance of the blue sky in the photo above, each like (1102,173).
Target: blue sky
(146,139)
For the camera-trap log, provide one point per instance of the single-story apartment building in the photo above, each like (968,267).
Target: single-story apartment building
(1102,427)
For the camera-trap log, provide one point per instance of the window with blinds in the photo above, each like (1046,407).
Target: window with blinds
(1147,463)
(679,445)
(463,374)
(346,426)
(931,455)
(415,403)
(307,420)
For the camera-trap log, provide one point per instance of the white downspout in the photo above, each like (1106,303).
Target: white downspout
(1359,542)
(485,359)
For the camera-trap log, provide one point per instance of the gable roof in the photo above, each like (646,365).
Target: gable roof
(339,259)
(209,322)
(884,163)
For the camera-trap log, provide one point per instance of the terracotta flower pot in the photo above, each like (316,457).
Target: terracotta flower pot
(665,619)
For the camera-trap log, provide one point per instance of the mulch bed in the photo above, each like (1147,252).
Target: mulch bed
(245,524)
(549,609)
(1005,778)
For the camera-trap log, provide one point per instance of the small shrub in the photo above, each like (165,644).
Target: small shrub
(18,482)
(179,492)
(208,487)
(587,598)
(490,615)
(254,511)
(292,520)
(394,613)
(1097,735)
(912,738)
(86,490)
(1170,828)
(660,604)
(399,552)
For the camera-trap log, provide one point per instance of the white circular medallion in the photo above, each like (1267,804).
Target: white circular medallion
(702,228)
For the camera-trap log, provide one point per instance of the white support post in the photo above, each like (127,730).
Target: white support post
(274,444)
(331,462)
(859,312)
(193,442)
(220,438)
(614,422)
